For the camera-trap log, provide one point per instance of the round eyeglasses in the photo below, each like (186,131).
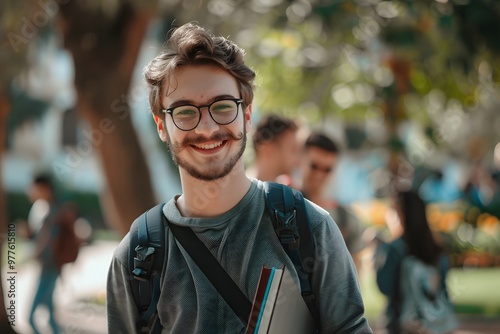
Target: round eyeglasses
(188,116)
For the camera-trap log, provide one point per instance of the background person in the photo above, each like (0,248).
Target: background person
(411,236)
(277,149)
(40,222)
(320,158)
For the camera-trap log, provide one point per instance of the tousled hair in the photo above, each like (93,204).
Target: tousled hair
(193,45)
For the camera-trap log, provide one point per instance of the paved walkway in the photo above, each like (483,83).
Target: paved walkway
(476,325)
(80,282)
(468,325)
(86,280)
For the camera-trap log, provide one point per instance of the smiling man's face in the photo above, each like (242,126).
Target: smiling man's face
(210,151)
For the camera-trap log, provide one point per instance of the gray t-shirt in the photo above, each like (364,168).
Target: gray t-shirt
(242,240)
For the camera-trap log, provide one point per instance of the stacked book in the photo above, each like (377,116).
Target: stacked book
(278,306)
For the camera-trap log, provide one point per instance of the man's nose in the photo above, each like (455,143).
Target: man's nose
(207,125)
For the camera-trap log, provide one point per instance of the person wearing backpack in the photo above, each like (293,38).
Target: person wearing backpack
(43,231)
(200,93)
(411,272)
(52,228)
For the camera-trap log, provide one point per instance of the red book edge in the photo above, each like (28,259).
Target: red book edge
(257,301)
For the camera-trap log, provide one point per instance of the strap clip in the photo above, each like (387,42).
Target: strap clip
(143,262)
(286,227)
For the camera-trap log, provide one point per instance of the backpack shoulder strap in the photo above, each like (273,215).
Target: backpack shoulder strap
(146,260)
(287,209)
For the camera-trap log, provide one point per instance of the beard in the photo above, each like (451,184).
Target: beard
(216,171)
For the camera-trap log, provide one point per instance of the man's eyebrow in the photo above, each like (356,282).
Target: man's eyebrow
(191,102)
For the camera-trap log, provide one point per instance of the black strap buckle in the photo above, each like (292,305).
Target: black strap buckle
(287,228)
(143,262)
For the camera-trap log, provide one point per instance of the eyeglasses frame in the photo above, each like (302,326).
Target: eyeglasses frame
(170,110)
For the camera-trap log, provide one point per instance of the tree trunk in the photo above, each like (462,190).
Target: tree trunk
(104,51)
(5,322)
(395,114)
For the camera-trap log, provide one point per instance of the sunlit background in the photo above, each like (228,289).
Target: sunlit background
(408,88)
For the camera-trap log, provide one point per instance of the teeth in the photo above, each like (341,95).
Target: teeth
(209,147)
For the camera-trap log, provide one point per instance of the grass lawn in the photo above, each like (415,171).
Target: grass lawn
(473,291)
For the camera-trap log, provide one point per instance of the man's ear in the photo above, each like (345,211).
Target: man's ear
(248,117)
(160,127)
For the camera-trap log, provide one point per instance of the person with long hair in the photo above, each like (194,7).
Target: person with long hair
(412,237)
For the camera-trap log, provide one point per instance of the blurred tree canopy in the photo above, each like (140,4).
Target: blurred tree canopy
(373,63)
(433,62)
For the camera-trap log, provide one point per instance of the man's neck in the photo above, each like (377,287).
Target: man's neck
(212,198)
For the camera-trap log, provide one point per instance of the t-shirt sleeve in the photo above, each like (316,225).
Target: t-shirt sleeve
(121,310)
(334,278)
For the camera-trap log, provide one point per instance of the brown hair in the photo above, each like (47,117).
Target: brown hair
(271,127)
(322,141)
(193,45)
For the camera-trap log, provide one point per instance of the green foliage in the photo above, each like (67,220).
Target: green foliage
(11,62)
(324,59)
(88,205)
(344,58)
(18,206)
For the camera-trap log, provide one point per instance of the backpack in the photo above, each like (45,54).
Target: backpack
(66,244)
(287,209)
(425,308)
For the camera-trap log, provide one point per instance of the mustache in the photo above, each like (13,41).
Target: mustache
(214,137)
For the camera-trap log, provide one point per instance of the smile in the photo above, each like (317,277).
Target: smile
(209,146)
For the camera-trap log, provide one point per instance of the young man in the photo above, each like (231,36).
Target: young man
(318,166)
(277,149)
(201,95)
